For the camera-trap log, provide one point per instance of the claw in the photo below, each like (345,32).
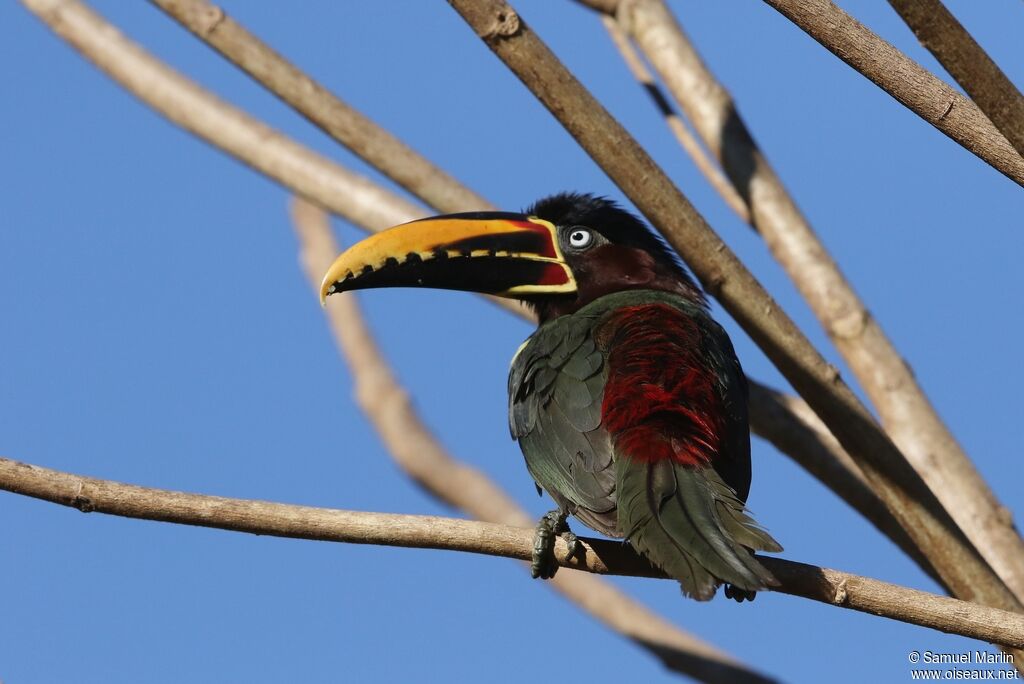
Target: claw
(552,524)
(739,595)
(574,543)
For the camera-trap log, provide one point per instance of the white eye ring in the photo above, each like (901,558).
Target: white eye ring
(580,238)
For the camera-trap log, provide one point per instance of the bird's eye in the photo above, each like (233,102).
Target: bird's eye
(580,238)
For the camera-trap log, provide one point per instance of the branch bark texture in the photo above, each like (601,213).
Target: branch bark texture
(905,411)
(721,272)
(912,85)
(966,61)
(305,522)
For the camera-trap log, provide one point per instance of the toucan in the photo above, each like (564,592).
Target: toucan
(628,401)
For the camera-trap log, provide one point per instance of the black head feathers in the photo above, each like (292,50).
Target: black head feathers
(608,218)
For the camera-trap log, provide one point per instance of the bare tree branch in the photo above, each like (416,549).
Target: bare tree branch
(793,428)
(966,61)
(892,71)
(343,123)
(413,446)
(632,169)
(292,165)
(906,80)
(51,7)
(599,556)
(908,416)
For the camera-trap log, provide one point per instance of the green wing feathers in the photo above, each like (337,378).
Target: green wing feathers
(555,387)
(631,414)
(689,523)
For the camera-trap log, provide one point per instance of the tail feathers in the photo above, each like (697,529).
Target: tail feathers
(738,524)
(689,523)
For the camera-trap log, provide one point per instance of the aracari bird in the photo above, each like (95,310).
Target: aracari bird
(628,401)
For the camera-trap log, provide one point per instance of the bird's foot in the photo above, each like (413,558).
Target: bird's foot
(550,526)
(739,595)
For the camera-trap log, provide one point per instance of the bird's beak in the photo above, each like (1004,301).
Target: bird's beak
(510,255)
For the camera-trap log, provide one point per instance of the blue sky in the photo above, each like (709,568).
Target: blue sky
(131,352)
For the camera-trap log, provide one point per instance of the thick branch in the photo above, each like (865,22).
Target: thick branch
(632,169)
(416,450)
(906,413)
(906,80)
(966,61)
(323,524)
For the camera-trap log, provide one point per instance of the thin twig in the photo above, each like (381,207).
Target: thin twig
(724,276)
(912,85)
(339,120)
(674,122)
(905,411)
(413,446)
(599,556)
(966,61)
